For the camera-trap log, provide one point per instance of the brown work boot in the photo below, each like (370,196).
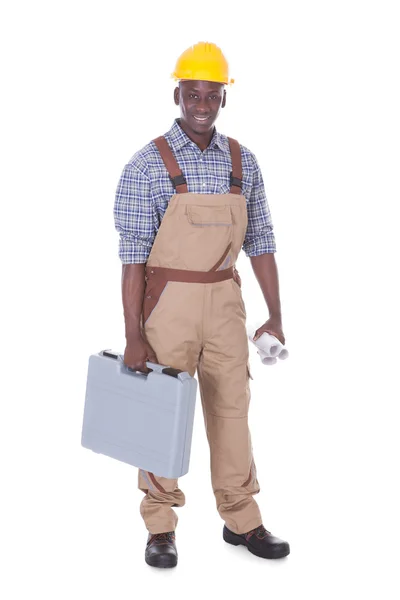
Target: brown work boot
(161,550)
(258,541)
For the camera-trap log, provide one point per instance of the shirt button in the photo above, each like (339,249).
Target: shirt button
(204,185)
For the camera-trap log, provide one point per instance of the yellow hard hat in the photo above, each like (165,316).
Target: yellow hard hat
(203,61)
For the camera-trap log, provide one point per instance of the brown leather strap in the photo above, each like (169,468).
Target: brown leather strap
(223,257)
(237,174)
(187,276)
(171,164)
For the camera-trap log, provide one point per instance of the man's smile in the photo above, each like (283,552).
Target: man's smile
(200,119)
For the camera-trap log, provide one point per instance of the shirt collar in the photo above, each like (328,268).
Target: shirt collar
(177,138)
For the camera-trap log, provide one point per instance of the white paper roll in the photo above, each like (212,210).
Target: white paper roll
(268,346)
(266,360)
(283,354)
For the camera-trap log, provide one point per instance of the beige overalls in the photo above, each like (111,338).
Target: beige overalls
(194,318)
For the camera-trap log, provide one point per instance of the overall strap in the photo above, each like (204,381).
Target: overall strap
(236,173)
(175,173)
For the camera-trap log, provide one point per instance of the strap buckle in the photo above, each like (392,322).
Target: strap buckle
(178,180)
(236,181)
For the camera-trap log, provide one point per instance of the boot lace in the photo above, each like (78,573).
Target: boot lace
(168,536)
(259,531)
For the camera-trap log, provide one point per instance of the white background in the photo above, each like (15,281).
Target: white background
(316,98)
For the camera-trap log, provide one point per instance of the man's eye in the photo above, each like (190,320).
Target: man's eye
(192,95)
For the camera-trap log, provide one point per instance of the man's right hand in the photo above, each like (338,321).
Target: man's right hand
(137,352)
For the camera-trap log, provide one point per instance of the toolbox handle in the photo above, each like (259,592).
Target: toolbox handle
(156,367)
(162,369)
(150,365)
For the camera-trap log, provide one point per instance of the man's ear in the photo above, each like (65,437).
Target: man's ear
(223,100)
(176,96)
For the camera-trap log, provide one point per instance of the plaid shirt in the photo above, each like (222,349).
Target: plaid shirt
(145,189)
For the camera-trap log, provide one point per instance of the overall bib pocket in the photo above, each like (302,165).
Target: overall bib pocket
(203,216)
(206,233)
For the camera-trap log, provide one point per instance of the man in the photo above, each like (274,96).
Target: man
(185,206)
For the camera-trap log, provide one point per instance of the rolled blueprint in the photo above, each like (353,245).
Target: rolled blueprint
(265,359)
(283,354)
(268,346)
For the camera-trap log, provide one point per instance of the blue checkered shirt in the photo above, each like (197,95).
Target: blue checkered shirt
(144,190)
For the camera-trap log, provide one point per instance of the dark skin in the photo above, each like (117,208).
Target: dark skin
(204,100)
(201,99)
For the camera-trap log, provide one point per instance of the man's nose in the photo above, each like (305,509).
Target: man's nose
(203,105)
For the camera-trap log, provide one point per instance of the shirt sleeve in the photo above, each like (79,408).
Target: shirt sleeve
(134,215)
(259,238)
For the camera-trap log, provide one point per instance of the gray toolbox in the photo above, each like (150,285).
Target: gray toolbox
(143,419)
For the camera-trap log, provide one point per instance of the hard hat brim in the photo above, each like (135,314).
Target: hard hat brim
(198,78)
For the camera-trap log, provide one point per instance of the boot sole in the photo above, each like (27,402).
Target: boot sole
(277,552)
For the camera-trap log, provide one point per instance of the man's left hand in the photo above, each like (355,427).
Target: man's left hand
(274,327)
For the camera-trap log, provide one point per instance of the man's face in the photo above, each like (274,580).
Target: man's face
(200,103)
